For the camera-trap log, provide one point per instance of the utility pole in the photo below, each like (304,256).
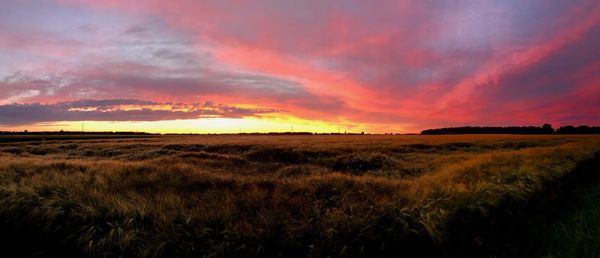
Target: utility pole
(82,127)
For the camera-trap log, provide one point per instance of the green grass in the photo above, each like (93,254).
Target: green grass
(577,232)
(273,196)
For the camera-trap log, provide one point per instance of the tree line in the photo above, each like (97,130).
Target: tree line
(545,129)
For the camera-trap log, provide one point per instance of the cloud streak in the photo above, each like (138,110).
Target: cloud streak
(394,65)
(118,110)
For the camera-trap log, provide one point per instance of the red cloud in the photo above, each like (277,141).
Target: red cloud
(412,63)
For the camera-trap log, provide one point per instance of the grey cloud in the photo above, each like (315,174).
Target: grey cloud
(109,110)
(106,103)
(135,30)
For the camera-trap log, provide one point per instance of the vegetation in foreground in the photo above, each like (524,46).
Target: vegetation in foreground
(286,196)
(576,228)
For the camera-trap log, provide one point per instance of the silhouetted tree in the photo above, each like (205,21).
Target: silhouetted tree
(545,129)
(582,129)
(548,128)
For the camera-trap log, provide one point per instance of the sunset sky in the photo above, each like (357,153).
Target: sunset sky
(314,65)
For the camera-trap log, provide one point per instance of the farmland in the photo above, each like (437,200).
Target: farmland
(295,196)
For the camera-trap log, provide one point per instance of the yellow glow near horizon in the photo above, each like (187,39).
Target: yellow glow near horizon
(201,125)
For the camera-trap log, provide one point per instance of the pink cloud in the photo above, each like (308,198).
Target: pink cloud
(411,63)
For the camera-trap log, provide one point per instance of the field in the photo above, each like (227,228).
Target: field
(301,196)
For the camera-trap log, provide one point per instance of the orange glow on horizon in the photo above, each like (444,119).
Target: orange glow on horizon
(276,123)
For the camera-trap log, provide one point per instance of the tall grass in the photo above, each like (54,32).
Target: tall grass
(290,196)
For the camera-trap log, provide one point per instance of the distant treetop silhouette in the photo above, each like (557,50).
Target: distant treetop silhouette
(545,129)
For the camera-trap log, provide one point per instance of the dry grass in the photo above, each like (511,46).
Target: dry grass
(290,196)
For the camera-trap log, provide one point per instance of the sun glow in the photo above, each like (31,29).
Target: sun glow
(202,125)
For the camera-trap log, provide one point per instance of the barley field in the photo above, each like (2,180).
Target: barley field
(289,195)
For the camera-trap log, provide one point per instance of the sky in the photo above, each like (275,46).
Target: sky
(195,66)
